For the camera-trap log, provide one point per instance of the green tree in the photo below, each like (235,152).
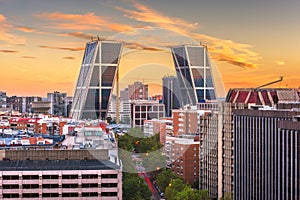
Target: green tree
(174,188)
(164,178)
(135,187)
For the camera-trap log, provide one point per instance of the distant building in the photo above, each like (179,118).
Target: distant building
(96,80)
(138,91)
(171,94)
(22,104)
(59,103)
(59,174)
(266,153)
(3,101)
(145,110)
(124,110)
(124,96)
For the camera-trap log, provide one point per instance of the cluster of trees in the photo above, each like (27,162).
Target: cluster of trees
(175,189)
(135,187)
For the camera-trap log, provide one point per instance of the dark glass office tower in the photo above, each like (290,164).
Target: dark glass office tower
(96,79)
(171,94)
(193,69)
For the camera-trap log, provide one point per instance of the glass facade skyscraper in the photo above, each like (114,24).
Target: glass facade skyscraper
(193,69)
(96,79)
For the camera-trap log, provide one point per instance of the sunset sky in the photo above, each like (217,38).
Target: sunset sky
(251,42)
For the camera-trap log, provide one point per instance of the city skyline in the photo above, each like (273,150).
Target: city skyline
(42,43)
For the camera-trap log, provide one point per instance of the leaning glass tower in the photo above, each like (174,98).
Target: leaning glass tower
(96,79)
(193,69)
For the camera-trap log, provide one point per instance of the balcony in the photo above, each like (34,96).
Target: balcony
(66,181)
(115,189)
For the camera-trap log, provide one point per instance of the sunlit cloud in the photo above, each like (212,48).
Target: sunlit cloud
(223,50)
(87,21)
(80,35)
(25,29)
(8,51)
(69,58)
(280,63)
(6,35)
(30,57)
(63,48)
(139,46)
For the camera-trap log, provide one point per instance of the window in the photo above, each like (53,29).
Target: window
(69,194)
(50,185)
(89,185)
(109,185)
(50,176)
(89,176)
(12,177)
(11,195)
(69,185)
(30,186)
(71,176)
(89,194)
(30,195)
(30,177)
(109,176)
(109,194)
(10,186)
(50,195)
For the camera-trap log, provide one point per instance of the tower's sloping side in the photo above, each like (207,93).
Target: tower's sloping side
(96,80)
(193,69)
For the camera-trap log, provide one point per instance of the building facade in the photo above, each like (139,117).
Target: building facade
(59,103)
(193,69)
(145,110)
(138,91)
(96,80)
(185,121)
(54,174)
(171,94)
(266,154)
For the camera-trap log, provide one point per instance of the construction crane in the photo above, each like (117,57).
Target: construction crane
(273,82)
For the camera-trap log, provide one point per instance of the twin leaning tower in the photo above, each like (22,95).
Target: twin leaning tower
(99,68)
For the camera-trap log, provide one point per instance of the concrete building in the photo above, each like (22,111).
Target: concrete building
(182,155)
(185,121)
(145,110)
(171,94)
(266,153)
(59,174)
(22,104)
(124,110)
(3,101)
(59,103)
(96,80)
(138,91)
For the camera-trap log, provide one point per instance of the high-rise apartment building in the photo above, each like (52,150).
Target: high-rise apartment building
(96,80)
(59,103)
(185,121)
(3,97)
(266,153)
(171,94)
(193,69)
(22,104)
(138,91)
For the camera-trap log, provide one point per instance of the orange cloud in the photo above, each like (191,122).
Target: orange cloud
(63,48)
(25,29)
(223,50)
(5,34)
(69,58)
(8,51)
(31,57)
(87,21)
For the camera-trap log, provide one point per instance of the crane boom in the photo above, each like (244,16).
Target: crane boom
(279,80)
